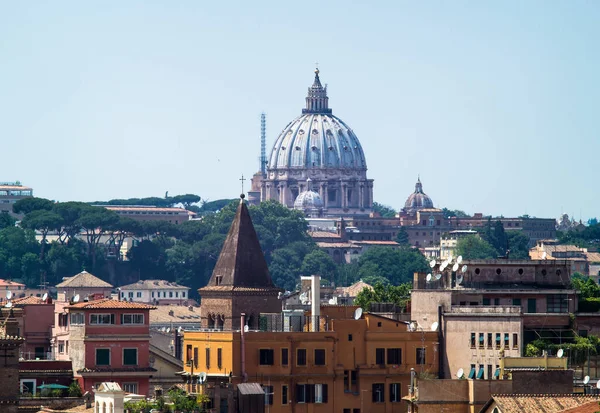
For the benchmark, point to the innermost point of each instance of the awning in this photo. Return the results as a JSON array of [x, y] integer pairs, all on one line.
[[497, 373], [480, 374], [472, 373]]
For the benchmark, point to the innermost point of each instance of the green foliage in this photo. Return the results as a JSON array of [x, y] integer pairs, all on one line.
[[139, 406], [182, 402], [397, 265], [186, 200], [576, 351], [27, 205], [588, 237], [592, 221], [473, 247], [518, 243], [74, 389], [384, 210], [402, 237], [382, 293], [6, 220], [448, 213], [320, 263]]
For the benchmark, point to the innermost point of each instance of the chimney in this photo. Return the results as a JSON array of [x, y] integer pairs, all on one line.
[[315, 300]]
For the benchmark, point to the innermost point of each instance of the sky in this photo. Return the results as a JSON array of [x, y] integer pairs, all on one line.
[[493, 104]]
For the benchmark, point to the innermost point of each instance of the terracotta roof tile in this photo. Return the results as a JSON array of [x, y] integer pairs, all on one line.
[[28, 300], [355, 288], [82, 280], [542, 403], [9, 283], [589, 407], [174, 314], [110, 303]]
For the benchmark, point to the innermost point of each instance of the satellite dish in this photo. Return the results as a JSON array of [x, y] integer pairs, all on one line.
[[428, 278], [8, 305], [443, 266], [459, 259], [434, 326], [331, 301], [560, 353], [432, 263], [455, 267], [438, 276], [460, 373], [358, 313], [544, 255], [8, 295], [246, 328], [450, 258], [586, 379], [279, 295], [202, 377], [45, 297], [76, 298], [464, 268], [179, 329], [598, 384], [168, 330], [459, 279]]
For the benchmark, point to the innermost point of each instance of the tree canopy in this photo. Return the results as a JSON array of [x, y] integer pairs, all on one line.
[[397, 265], [383, 293], [473, 247], [384, 210]]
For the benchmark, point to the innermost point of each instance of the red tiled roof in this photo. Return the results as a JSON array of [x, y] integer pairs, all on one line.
[[110, 303], [9, 283], [83, 279], [28, 300], [590, 407], [542, 403]]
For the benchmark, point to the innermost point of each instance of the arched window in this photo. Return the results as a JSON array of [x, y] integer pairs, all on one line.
[[111, 408], [431, 221], [97, 407], [103, 407], [220, 321], [211, 321]]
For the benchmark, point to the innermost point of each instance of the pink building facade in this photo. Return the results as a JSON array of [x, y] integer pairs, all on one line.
[[107, 340], [35, 326]]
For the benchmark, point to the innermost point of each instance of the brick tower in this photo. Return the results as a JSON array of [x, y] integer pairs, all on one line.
[[240, 282], [9, 361]]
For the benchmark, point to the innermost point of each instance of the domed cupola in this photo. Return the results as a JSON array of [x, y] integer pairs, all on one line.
[[321, 146], [309, 202], [418, 199]]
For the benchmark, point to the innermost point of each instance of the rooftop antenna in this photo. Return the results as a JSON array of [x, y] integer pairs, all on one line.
[[263, 143]]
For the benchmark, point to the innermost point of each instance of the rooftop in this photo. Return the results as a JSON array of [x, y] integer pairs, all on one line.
[[112, 304], [141, 208], [174, 314], [153, 285], [30, 300], [542, 403], [82, 280], [9, 283]]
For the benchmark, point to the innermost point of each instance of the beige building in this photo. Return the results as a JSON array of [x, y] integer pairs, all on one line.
[[11, 192], [581, 260], [157, 292]]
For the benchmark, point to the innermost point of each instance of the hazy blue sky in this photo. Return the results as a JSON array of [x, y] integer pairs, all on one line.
[[494, 104]]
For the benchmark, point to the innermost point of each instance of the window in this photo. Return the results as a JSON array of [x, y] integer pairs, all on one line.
[[486, 301], [420, 356], [480, 372], [130, 387], [152, 294], [130, 356], [284, 394], [557, 303], [301, 357], [219, 280], [77, 318], [496, 301], [219, 358], [138, 294], [268, 395], [506, 341], [394, 356], [472, 340], [379, 356], [395, 392], [517, 302], [196, 357], [170, 294], [378, 393], [319, 357], [300, 393], [132, 318], [497, 340], [208, 358], [188, 353], [284, 356], [481, 340], [319, 393], [515, 340], [61, 347], [102, 318], [531, 305], [130, 294], [265, 357], [472, 372], [183, 294], [349, 337], [489, 340], [102, 357], [489, 372]]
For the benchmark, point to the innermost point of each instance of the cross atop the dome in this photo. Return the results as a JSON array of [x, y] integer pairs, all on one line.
[[243, 180]]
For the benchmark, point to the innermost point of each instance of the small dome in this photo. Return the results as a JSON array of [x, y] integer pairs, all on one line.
[[418, 199], [308, 200]]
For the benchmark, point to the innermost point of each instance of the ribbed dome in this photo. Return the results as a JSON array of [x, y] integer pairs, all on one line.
[[317, 139], [418, 199], [308, 200]]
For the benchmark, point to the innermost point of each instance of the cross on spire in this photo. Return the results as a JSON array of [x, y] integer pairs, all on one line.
[[243, 180]]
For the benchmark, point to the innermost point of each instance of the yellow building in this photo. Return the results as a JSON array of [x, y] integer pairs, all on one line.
[[350, 366]]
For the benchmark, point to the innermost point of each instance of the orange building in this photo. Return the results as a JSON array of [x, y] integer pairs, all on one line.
[[350, 366]]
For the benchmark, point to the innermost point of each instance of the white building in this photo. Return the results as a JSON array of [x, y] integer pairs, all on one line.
[[158, 292]]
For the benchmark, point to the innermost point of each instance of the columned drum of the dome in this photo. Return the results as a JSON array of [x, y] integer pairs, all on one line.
[[321, 147]]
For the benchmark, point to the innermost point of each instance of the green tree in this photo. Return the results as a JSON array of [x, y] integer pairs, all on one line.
[[27, 205], [384, 210], [449, 213], [186, 200], [43, 221], [182, 402], [74, 389], [7, 220], [518, 243], [398, 265], [95, 221], [383, 293], [472, 247], [402, 237], [318, 262]]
